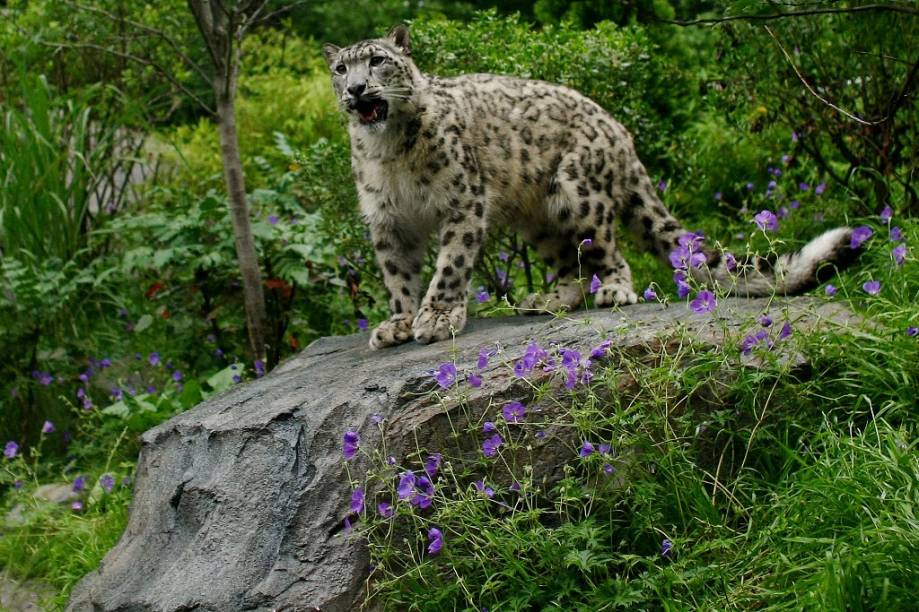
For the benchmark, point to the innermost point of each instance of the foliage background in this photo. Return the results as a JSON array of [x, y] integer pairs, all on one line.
[[100, 273]]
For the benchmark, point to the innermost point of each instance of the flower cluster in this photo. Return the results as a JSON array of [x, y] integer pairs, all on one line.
[[762, 337]]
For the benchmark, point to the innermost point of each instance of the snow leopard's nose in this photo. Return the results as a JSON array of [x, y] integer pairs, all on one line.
[[357, 90]]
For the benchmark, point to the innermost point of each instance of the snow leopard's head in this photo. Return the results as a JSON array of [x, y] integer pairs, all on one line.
[[374, 80]]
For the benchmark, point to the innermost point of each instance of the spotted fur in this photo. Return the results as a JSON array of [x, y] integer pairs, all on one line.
[[458, 156]]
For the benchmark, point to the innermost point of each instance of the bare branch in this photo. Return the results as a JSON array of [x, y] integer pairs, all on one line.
[[204, 19], [867, 8], [140, 60], [813, 92], [143, 28]]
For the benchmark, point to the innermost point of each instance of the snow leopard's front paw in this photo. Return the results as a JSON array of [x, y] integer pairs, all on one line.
[[438, 322], [615, 294], [397, 330]]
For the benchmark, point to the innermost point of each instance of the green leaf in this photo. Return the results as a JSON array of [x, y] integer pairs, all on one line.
[[223, 379], [143, 323]]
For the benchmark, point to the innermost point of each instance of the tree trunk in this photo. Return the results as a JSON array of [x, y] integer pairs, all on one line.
[[246, 255]]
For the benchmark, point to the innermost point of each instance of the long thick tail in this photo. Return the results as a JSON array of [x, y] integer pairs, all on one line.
[[747, 275], [788, 274]]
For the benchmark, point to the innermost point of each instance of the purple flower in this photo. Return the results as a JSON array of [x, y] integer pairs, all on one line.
[[18, 484], [794, 136], [899, 254], [649, 294], [446, 375], [608, 468], [352, 441], [482, 296], [76, 506], [830, 290], [750, 186], [601, 349], [704, 302], [483, 490], [490, 445], [177, 376], [489, 427], [237, 378], [483, 358], [47, 427], [432, 465], [540, 434], [782, 212], [896, 234], [406, 485], [765, 320], [587, 449], [662, 185], [872, 287], [819, 189], [79, 484], [804, 186], [107, 482], [770, 186], [795, 204], [766, 221], [786, 331], [749, 342], [10, 450], [503, 256], [514, 412], [436, 539], [859, 235], [85, 376], [912, 332], [105, 363], [362, 324], [667, 549], [259, 368], [717, 196], [604, 448], [376, 419], [730, 262], [887, 214], [357, 500], [682, 287], [273, 219], [43, 378], [386, 509], [786, 159], [587, 242], [475, 381], [117, 394], [595, 284]]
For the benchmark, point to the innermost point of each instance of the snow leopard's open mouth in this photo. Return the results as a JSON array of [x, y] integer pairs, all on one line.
[[372, 110]]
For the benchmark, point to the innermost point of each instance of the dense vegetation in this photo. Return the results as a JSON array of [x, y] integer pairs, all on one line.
[[120, 303]]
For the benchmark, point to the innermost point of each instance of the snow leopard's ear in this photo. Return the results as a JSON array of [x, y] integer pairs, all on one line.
[[330, 52], [399, 37]]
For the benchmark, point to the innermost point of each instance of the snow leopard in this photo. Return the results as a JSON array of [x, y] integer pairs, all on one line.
[[460, 155]]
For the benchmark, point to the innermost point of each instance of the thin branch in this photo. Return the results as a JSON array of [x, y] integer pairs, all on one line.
[[140, 60], [143, 28], [884, 8], [811, 89]]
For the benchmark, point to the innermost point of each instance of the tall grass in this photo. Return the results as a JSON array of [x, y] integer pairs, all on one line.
[[53, 158]]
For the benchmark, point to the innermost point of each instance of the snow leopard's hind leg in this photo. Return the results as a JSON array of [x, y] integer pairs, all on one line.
[[559, 252], [593, 212]]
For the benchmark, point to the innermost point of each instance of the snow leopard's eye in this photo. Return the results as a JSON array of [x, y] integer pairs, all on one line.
[[376, 60], [341, 69]]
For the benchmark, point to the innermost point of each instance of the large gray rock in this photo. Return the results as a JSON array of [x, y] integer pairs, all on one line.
[[238, 503]]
